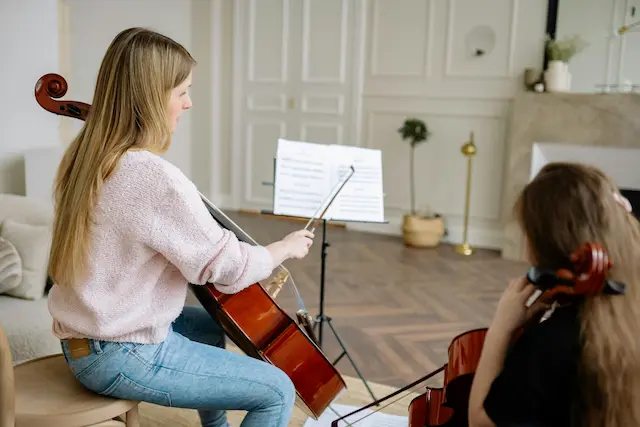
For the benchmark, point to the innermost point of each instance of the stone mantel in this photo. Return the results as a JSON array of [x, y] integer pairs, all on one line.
[[595, 120]]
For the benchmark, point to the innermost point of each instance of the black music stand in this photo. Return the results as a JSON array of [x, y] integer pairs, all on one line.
[[322, 317]]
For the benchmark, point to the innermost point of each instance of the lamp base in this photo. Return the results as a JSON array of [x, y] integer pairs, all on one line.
[[464, 249]]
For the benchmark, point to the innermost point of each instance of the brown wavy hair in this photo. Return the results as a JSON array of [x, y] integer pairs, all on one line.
[[129, 111], [566, 205]]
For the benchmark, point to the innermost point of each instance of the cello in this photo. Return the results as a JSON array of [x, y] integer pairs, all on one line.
[[447, 406], [251, 318]]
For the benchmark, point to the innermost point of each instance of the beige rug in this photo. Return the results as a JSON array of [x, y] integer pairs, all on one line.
[[356, 395]]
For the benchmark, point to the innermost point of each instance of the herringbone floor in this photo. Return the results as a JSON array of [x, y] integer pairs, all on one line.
[[395, 308]]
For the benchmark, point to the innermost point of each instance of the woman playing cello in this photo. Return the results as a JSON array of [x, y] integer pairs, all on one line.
[[581, 366], [131, 232]]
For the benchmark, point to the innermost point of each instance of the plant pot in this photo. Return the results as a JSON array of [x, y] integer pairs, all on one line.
[[557, 77], [422, 232]]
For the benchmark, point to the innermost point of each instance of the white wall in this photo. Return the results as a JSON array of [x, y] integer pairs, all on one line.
[[416, 63], [608, 59], [92, 24], [29, 46]]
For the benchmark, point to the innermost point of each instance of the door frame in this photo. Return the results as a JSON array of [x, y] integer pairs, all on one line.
[[238, 147]]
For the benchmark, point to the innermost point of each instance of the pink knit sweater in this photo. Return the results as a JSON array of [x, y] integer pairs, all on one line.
[[152, 236]]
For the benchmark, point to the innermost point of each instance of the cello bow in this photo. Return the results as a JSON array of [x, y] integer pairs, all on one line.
[[251, 317]]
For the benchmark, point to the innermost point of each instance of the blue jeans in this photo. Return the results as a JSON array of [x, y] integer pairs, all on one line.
[[190, 369]]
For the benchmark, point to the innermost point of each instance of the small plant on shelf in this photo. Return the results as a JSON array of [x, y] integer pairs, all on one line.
[[564, 49], [422, 230]]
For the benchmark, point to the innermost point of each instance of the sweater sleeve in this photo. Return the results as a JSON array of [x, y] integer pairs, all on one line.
[[186, 234]]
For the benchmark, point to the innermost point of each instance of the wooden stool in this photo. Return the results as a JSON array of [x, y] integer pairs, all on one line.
[[45, 393]]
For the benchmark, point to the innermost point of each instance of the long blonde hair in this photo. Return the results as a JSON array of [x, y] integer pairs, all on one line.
[[568, 204], [129, 111]]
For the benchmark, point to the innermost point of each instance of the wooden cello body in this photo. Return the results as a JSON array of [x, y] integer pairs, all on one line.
[[251, 318], [447, 406]]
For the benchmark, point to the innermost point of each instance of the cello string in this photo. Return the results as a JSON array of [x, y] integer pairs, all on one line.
[[400, 392], [402, 396], [328, 201], [338, 414], [232, 226], [297, 294]]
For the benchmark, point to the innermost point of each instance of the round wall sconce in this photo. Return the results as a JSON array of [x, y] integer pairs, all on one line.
[[480, 41]]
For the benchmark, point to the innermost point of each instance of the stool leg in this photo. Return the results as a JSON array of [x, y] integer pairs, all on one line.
[[133, 418]]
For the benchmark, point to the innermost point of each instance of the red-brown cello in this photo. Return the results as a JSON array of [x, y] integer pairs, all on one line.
[[448, 406], [251, 318]]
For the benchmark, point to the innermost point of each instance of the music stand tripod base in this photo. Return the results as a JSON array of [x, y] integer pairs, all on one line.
[[321, 317]]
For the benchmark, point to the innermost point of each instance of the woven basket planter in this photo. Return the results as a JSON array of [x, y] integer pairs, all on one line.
[[422, 232]]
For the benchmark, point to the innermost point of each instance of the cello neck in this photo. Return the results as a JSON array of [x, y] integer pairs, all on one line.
[[225, 221]]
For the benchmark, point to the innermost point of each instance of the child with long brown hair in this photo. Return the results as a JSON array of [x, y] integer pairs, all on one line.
[[581, 366]]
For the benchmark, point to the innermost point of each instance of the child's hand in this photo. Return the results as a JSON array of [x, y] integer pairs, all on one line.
[[512, 312]]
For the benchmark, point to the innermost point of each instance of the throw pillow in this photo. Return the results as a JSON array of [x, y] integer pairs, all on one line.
[[33, 243], [10, 266]]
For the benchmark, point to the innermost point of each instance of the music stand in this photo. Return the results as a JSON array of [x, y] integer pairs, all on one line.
[[322, 317]]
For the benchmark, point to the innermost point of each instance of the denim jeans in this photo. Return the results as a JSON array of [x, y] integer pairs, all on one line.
[[190, 369]]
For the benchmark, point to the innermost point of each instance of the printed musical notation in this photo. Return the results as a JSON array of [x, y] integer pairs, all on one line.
[[306, 172]]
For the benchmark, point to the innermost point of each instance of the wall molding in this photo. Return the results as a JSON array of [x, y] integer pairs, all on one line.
[[284, 59], [306, 37], [427, 52], [248, 160], [237, 97], [240, 142], [511, 53]]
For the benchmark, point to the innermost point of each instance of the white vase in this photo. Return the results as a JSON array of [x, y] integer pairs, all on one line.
[[557, 77]]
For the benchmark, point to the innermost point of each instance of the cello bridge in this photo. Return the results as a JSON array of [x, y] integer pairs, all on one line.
[[277, 282]]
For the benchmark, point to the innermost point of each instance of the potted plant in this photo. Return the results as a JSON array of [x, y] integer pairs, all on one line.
[[418, 229], [559, 52]]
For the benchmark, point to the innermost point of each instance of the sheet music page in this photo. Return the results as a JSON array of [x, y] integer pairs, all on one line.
[[302, 178], [374, 419], [362, 198]]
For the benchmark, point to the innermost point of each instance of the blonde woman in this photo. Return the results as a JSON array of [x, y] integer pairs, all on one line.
[[581, 366], [130, 232]]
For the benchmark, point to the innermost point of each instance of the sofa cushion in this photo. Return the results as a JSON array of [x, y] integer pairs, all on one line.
[[25, 210], [33, 243], [10, 266], [28, 328]]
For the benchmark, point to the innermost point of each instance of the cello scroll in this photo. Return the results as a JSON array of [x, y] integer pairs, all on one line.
[[591, 264], [52, 86]]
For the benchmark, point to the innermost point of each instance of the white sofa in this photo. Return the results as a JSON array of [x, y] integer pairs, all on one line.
[[24, 315]]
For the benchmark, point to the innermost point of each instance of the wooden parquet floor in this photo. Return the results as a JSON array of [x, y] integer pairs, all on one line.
[[395, 308]]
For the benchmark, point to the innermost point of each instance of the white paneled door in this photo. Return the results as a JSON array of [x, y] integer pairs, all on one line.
[[293, 78]]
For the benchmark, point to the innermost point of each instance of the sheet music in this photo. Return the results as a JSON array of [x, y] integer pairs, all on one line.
[[377, 419], [306, 173], [302, 175], [361, 199]]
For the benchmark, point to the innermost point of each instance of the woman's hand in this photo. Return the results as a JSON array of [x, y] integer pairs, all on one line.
[[295, 245], [298, 243], [512, 313]]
